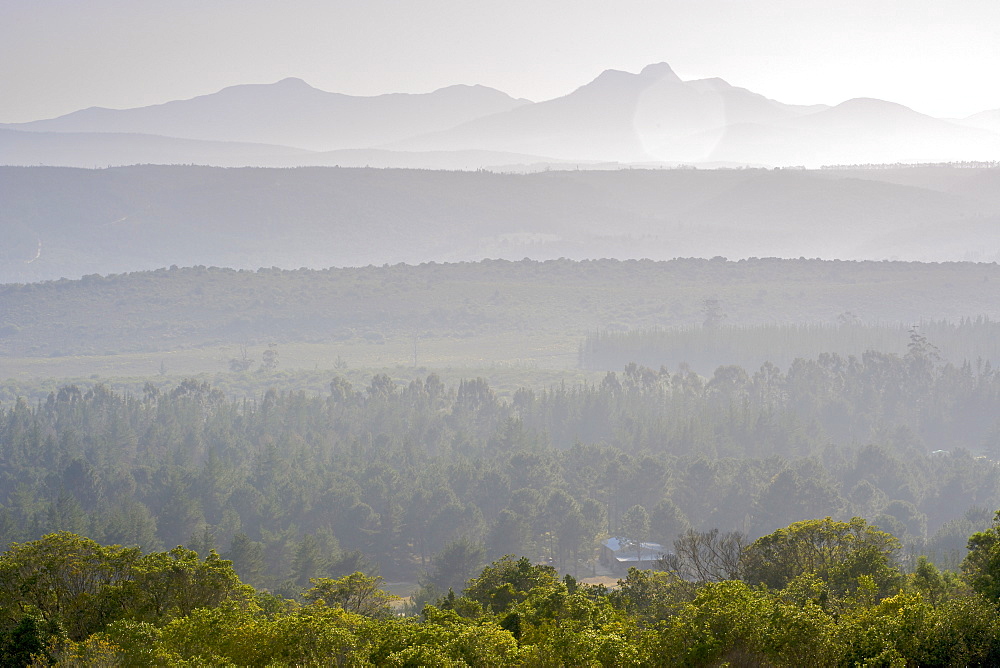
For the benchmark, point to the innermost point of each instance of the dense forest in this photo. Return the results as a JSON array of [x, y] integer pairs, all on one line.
[[816, 593], [248, 520], [293, 486]]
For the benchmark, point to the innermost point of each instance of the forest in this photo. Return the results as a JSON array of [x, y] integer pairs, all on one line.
[[895, 437], [820, 487], [818, 593], [700, 347], [395, 474]]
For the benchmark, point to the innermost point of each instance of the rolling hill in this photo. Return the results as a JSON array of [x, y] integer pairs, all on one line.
[[61, 222], [488, 301]]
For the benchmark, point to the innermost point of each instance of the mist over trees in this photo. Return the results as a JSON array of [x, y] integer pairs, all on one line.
[[703, 347], [392, 475], [310, 498], [658, 372], [801, 455], [834, 466], [808, 306]]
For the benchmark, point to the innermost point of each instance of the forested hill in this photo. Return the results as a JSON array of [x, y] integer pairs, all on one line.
[[171, 308], [73, 222]]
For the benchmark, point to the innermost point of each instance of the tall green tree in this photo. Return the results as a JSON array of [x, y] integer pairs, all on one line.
[[981, 566], [634, 529], [358, 593], [839, 553]]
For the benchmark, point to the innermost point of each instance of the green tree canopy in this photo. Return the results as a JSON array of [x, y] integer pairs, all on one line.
[[837, 552], [982, 564], [508, 581], [357, 593]]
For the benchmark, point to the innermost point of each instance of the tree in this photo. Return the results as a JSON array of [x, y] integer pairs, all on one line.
[[712, 309], [247, 557], [634, 528], [452, 568], [507, 581], [358, 593], [981, 566], [64, 578], [667, 522], [241, 363], [509, 533], [730, 623], [308, 561], [839, 553], [26, 640], [269, 360], [789, 497], [164, 585], [707, 556], [936, 587], [652, 595]]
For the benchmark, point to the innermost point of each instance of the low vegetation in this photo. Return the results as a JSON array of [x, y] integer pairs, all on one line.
[[818, 593]]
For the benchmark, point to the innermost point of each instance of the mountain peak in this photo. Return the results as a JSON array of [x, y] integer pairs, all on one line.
[[285, 86], [292, 82], [626, 80], [659, 71], [613, 75], [872, 105]]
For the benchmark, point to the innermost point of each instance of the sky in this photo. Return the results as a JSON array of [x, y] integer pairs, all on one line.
[[57, 56]]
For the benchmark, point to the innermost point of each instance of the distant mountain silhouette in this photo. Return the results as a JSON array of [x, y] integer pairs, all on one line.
[[103, 149], [648, 118], [858, 131], [107, 149], [291, 113], [985, 120], [617, 116]]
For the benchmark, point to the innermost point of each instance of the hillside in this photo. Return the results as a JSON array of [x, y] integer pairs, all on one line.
[[492, 300], [60, 222]]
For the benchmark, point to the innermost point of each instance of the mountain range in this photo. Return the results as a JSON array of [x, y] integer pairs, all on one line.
[[650, 118]]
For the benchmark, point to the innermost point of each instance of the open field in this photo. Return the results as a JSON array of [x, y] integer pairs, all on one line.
[[514, 323], [476, 352]]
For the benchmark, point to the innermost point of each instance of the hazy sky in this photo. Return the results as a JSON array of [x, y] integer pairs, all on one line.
[[56, 56]]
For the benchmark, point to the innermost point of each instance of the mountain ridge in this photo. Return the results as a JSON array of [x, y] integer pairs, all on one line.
[[74, 222], [289, 112], [652, 116]]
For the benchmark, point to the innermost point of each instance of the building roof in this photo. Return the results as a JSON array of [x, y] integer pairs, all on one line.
[[624, 552]]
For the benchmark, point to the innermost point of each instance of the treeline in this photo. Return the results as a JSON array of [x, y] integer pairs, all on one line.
[[705, 347], [201, 306], [816, 593], [292, 486]]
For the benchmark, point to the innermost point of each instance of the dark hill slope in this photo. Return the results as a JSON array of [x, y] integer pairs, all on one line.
[[71, 222]]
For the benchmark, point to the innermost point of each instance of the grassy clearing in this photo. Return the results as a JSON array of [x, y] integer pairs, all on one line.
[[505, 362], [547, 352]]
